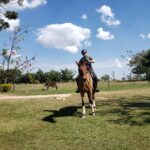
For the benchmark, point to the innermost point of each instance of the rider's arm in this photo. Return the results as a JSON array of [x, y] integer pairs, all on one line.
[[91, 60]]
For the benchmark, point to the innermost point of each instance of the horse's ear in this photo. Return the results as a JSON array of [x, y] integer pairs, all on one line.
[[77, 63]]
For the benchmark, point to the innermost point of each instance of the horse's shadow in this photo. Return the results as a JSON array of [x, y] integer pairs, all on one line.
[[63, 112]]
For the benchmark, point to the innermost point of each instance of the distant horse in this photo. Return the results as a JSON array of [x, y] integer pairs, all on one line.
[[51, 84], [85, 85]]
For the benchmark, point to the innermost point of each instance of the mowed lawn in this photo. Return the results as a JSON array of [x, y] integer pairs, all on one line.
[[70, 87], [122, 122]]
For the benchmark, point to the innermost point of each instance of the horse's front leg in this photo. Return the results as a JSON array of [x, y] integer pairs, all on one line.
[[93, 96], [83, 106]]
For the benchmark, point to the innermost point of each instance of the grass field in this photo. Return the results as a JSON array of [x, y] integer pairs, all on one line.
[[122, 122], [71, 87]]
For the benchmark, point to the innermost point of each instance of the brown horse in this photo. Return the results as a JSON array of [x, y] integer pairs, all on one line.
[[85, 85], [51, 84]]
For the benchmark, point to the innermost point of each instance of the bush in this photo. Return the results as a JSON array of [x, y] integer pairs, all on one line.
[[36, 82], [6, 87]]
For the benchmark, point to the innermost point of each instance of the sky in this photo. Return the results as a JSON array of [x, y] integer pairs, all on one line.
[[60, 29]]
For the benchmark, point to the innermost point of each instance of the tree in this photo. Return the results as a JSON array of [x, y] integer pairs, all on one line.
[[140, 64], [10, 58], [67, 74], [5, 14], [40, 76], [53, 75], [2, 76], [105, 77]]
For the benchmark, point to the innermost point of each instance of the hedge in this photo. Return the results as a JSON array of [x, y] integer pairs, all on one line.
[[6, 87]]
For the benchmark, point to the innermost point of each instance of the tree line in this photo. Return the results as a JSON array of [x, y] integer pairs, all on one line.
[[16, 76]]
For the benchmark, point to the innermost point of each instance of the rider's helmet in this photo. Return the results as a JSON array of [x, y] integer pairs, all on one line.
[[83, 51]]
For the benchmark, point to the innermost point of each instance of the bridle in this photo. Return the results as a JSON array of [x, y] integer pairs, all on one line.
[[82, 72]]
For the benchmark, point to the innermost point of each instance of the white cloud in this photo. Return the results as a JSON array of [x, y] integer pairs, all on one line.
[[119, 63], [84, 17], [143, 36], [115, 63], [12, 23], [109, 63], [87, 43], [148, 36], [26, 4], [107, 16], [100, 67], [104, 35], [105, 10], [55, 66], [34, 3], [67, 36]]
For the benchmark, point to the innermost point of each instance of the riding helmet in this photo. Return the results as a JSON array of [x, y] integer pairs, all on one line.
[[83, 51]]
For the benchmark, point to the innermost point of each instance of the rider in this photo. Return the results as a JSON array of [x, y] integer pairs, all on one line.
[[89, 60]]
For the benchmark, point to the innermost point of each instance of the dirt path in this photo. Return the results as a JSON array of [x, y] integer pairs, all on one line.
[[3, 97]]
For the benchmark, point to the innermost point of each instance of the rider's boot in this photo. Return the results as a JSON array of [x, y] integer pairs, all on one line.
[[95, 86]]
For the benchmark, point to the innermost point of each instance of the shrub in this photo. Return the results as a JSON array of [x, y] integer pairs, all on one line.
[[6, 87], [36, 82]]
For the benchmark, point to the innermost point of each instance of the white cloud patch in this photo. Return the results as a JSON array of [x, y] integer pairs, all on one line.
[[101, 67], [12, 23], [119, 63], [27, 4], [115, 63], [55, 66], [84, 17], [34, 3], [67, 36], [107, 16], [104, 35], [143, 36]]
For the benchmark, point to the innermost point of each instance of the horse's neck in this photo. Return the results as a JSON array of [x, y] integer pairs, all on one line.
[[88, 76]]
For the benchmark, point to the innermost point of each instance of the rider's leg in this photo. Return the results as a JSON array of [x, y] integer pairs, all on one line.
[[95, 80]]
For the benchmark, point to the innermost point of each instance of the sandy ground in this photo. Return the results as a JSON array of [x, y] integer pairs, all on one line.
[[3, 97]]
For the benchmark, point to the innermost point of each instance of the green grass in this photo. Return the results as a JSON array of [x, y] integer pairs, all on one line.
[[122, 122], [71, 87]]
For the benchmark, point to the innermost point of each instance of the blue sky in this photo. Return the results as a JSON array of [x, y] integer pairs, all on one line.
[[58, 32]]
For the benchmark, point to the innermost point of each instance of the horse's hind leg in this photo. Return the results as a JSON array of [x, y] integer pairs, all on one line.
[[90, 101]]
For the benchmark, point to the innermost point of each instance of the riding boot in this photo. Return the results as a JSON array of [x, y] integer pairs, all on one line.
[[95, 85]]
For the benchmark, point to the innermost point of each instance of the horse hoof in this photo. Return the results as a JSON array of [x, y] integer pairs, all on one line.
[[83, 117], [93, 114]]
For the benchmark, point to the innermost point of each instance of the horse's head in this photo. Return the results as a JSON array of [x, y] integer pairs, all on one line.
[[83, 69]]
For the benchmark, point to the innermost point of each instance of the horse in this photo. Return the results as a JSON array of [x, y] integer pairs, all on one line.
[[85, 85], [51, 84]]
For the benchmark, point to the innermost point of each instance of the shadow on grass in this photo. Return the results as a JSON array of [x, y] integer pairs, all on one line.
[[135, 111], [63, 112]]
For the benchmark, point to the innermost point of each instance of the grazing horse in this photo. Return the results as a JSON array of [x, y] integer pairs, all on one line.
[[85, 85], [51, 84]]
